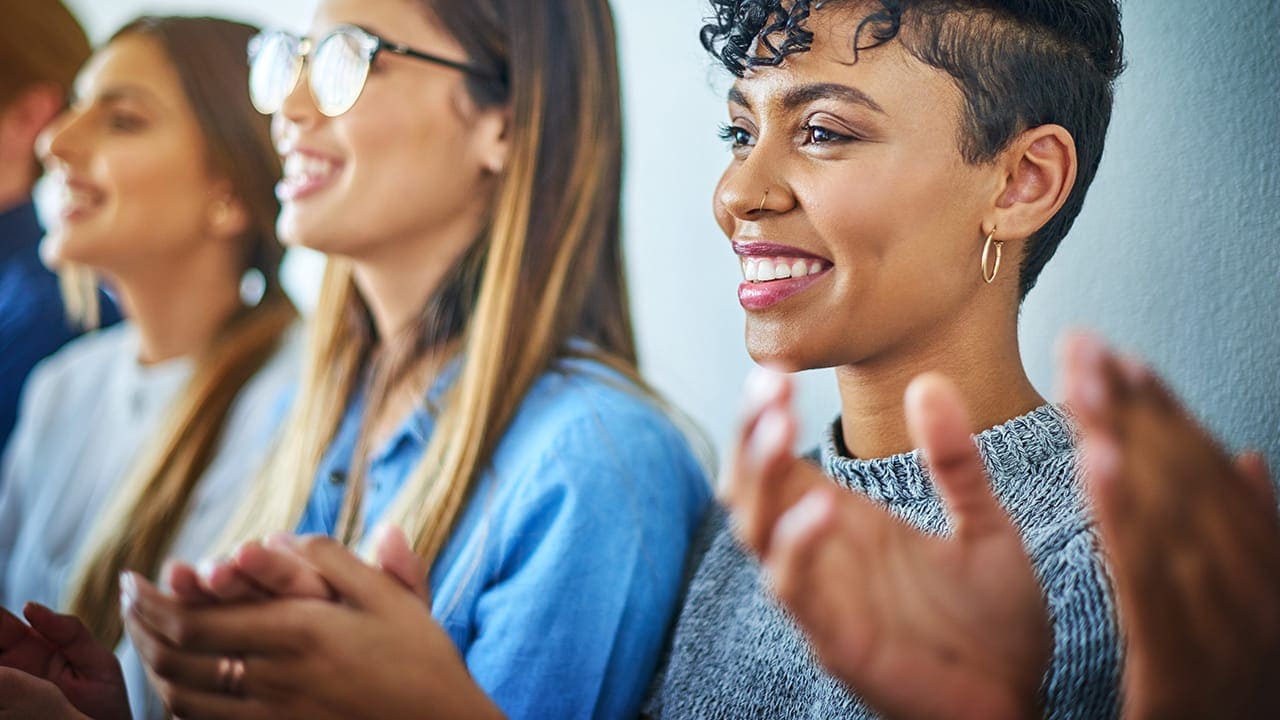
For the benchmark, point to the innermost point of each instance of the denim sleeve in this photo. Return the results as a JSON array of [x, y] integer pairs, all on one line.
[[585, 579]]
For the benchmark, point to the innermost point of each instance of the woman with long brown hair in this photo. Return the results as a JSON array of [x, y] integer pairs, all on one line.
[[472, 381], [135, 442]]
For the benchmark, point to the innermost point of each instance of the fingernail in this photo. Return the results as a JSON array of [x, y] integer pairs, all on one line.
[[763, 385], [811, 509], [769, 435], [1103, 457], [128, 591]]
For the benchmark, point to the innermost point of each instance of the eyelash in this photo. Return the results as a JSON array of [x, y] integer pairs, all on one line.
[[732, 134], [125, 123]]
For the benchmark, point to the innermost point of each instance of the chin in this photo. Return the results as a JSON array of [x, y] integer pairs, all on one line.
[[775, 346]]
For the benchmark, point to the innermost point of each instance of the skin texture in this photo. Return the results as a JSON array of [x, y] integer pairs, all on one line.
[[886, 197], [157, 223], [1193, 541], [919, 626]]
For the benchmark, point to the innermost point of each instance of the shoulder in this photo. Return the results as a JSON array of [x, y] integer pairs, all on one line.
[[581, 410], [586, 439], [81, 364]]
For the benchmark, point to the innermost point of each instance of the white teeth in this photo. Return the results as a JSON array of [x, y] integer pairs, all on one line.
[[779, 268], [765, 272], [301, 168]]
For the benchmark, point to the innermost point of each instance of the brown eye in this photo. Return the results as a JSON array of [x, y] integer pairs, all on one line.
[[818, 135], [736, 136]]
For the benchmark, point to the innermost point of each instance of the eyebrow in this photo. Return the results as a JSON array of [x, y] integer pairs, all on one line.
[[125, 92], [805, 94]]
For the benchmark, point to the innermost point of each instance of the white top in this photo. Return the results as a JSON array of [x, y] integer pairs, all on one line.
[[85, 415]]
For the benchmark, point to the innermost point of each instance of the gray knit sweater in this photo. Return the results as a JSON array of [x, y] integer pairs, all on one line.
[[736, 654]]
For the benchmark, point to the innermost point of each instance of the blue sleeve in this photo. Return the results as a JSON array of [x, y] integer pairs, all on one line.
[[589, 558]]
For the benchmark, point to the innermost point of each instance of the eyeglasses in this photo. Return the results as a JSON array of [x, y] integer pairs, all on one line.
[[340, 63]]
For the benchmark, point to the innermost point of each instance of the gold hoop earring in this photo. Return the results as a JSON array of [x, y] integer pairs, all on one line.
[[763, 200], [986, 252]]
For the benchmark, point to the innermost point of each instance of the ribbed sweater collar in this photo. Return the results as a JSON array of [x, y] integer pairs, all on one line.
[[1013, 452]]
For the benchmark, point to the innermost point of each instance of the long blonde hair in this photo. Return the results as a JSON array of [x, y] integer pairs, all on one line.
[[139, 526], [549, 268]]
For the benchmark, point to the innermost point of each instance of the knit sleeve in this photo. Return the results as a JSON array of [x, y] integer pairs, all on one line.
[[1084, 673]]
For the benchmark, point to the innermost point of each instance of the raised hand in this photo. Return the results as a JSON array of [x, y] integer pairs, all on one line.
[[918, 625], [1193, 540], [59, 650]]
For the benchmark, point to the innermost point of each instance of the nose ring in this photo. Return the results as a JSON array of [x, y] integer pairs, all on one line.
[[763, 200]]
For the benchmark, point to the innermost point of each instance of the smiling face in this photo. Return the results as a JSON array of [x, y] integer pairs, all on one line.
[[139, 192], [856, 219], [410, 160]]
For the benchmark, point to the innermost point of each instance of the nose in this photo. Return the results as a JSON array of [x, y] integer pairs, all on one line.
[[62, 141], [750, 189], [299, 107]]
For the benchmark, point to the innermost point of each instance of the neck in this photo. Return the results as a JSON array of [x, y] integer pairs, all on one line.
[[980, 356], [179, 308], [397, 278]]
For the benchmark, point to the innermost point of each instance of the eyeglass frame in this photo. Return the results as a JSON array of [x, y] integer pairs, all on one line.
[[371, 43]]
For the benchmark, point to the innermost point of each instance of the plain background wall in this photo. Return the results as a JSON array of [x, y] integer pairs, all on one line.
[[1176, 255]]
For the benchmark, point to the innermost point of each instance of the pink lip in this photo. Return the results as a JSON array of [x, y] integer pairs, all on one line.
[[759, 296], [768, 249], [75, 214]]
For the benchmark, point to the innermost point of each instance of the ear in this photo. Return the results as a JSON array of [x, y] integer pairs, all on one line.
[[493, 138], [25, 117], [1040, 171], [227, 215]]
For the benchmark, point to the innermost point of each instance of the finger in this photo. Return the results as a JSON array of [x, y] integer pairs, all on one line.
[[186, 584], [1093, 385], [262, 628], [1253, 468], [396, 558], [12, 630], [764, 388], [277, 570], [70, 636], [223, 580], [356, 582], [752, 487], [796, 542], [193, 704], [939, 425]]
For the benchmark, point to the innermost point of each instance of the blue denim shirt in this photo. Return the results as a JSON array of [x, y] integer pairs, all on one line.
[[563, 573], [33, 320]]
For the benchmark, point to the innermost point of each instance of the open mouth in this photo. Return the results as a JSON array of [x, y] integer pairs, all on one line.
[[306, 174], [772, 273]]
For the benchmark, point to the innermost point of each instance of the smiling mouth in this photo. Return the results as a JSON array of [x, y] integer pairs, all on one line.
[[305, 174], [768, 269]]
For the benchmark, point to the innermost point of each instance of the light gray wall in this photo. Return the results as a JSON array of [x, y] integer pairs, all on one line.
[[1176, 255]]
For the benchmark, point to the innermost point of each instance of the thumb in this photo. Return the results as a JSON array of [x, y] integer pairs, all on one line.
[[939, 425], [396, 558], [71, 638]]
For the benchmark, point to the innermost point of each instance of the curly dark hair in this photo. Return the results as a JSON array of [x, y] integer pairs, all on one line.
[[1018, 63]]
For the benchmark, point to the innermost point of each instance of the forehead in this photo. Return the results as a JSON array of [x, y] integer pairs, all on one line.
[[133, 65], [404, 21], [888, 75]]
